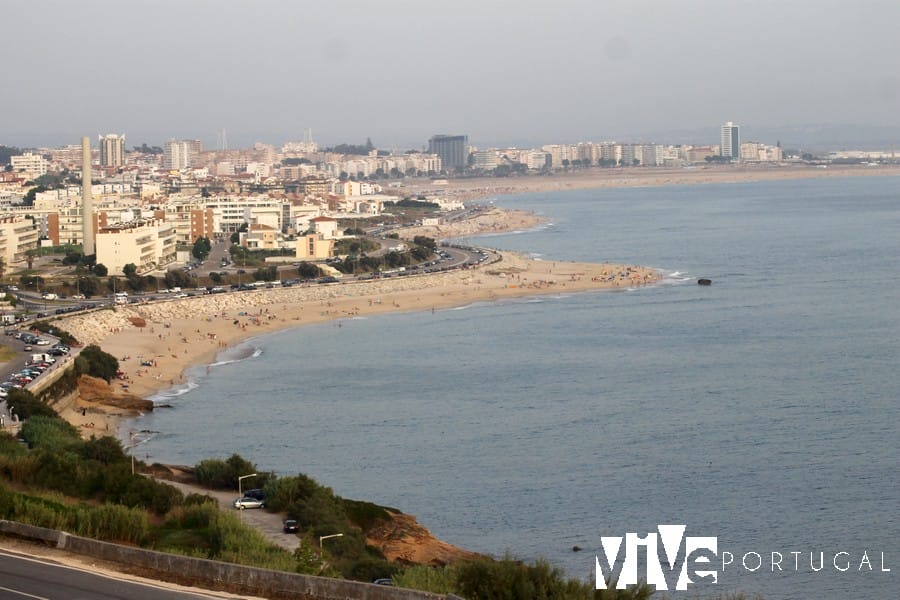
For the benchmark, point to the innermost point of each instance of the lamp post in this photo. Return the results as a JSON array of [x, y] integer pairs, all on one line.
[[241, 494], [242, 478], [325, 537], [131, 435]]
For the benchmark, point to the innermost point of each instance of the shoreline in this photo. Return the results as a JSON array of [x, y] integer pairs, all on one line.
[[191, 332]]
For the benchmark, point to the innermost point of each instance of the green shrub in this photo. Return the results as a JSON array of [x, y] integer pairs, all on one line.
[[27, 405], [438, 580], [95, 362], [49, 432], [365, 515]]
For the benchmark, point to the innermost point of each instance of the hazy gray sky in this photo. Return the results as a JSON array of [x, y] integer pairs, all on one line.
[[398, 71]]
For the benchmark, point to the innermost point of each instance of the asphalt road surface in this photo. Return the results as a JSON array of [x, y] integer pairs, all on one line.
[[24, 577]]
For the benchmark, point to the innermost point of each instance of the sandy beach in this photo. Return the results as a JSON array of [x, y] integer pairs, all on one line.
[[156, 342], [597, 178]]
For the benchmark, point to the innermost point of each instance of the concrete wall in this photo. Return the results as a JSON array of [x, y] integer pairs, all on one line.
[[216, 575]]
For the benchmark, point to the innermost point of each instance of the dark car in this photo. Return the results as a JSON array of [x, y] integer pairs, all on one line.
[[291, 526], [257, 493]]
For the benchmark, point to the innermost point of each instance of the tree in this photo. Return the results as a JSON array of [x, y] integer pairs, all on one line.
[[95, 362], [130, 270], [100, 270], [202, 248]]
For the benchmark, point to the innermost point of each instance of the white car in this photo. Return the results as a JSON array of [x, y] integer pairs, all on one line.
[[247, 502], [42, 342], [77, 296]]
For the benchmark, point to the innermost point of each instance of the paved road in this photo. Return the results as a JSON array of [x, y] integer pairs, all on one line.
[[24, 577]]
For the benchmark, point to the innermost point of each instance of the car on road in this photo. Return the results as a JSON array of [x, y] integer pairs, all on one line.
[[246, 502], [42, 342], [27, 348], [77, 296], [291, 526]]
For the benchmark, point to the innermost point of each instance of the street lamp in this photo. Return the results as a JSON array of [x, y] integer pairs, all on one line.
[[325, 537], [131, 435], [240, 479]]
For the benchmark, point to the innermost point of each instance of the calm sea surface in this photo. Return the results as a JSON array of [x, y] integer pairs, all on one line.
[[762, 410]]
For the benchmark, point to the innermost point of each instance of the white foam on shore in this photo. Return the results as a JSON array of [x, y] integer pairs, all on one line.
[[676, 278], [256, 352], [163, 396]]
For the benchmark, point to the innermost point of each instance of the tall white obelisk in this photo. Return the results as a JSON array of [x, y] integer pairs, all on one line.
[[87, 202]]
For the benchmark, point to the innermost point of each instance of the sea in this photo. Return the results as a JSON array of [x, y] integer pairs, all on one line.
[[761, 411]]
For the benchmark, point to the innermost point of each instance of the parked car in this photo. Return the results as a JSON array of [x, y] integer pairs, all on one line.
[[257, 493], [42, 342], [291, 526], [246, 502]]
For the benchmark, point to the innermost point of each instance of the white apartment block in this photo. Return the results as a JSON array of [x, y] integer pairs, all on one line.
[[177, 154], [112, 150], [18, 235], [148, 244], [30, 165], [230, 212], [486, 160]]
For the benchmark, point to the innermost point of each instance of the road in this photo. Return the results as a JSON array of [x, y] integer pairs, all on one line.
[[24, 577]]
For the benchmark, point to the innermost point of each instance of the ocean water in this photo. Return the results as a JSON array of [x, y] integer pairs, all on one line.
[[762, 410]]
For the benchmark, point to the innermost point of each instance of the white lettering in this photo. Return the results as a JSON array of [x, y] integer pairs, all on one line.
[[883, 570], [758, 561], [611, 546], [796, 554], [821, 562], [727, 559], [865, 561], [836, 561], [629, 569], [776, 563]]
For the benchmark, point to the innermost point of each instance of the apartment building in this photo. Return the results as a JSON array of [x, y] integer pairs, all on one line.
[[18, 235], [148, 244], [29, 164]]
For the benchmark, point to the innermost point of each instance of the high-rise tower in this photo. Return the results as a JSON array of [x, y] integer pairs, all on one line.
[[453, 150], [87, 204], [731, 141], [112, 150]]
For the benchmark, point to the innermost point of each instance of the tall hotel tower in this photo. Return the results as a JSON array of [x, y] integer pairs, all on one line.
[[453, 150], [731, 141], [87, 201]]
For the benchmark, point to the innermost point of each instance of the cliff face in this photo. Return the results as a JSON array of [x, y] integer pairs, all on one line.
[[97, 391], [404, 540]]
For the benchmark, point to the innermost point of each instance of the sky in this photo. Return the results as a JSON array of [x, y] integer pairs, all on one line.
[[502, 72]]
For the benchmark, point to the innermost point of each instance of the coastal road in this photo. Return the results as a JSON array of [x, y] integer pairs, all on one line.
[[25, 577]]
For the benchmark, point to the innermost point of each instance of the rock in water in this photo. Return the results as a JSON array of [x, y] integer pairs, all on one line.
[[704, 282]]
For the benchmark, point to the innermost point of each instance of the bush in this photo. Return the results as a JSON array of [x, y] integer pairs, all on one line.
[[26, 405], [223, 475], [95, 362], [49, 432]]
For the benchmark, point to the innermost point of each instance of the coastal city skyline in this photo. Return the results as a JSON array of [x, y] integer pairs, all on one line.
[[397, 72]]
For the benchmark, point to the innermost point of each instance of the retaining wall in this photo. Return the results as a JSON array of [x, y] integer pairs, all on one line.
[[211, 574]]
